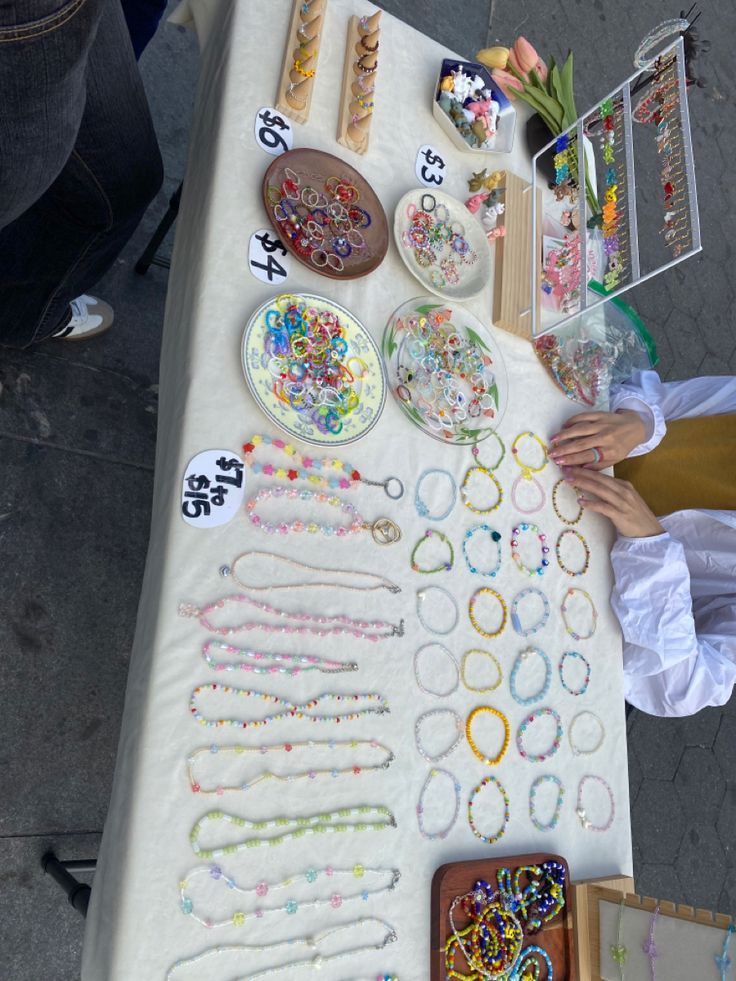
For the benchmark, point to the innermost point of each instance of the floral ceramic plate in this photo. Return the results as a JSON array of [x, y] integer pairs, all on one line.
[[442, 244], [445, 371], [314, 369]]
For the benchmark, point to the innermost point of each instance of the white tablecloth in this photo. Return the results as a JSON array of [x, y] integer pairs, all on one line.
[[135, 929]]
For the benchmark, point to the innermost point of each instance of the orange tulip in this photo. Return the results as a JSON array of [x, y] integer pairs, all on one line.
[[523, 56]]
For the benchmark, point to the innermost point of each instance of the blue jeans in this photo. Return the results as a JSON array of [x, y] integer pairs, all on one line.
[[79, 161]]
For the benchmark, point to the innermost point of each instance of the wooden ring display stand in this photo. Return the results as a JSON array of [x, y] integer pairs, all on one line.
[[294, 96], [361, 62]]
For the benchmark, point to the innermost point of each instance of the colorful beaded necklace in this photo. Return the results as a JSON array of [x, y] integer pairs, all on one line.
[[269, 662], [289, 710]]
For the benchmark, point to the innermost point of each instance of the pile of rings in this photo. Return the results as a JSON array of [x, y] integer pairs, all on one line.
[[443, 374], [324, 225], [305, 350], [438, 243]]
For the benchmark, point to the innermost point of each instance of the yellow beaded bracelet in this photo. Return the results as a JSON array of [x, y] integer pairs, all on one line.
[[480, 710], [471, 612]]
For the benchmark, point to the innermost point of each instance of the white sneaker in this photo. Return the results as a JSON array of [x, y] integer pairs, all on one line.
[[90, 317]]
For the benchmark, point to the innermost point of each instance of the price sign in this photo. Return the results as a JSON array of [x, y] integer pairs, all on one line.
[[430, 166], [268, 258], [213, 488], [273, 131]]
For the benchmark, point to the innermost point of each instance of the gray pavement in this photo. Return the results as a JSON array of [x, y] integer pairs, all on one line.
[[77, 439]]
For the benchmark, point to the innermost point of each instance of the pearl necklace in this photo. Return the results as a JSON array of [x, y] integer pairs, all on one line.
[[287, 748], [431, 691], [316, 962], [335, 900], [345, 625], [314, 470], [580, 809], [383, 530], [324, 823], [378, 581], [433, 713], [437, 835], [288, 664], [290, 710]]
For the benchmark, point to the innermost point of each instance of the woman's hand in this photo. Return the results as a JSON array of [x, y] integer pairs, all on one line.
[[615, 499], [613, 434]]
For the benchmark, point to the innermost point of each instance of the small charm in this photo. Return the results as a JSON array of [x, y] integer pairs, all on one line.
[[225, 571]]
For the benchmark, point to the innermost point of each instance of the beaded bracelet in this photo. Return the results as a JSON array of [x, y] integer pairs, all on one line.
[[602, 735], [441, 835], [527, 474], [471, 612], [526, 467], [563, 610], [520, 659], [649, 946], [481, 710], [516, 622], [581, 812], [544, 562], [552, 824], [430, 691], [422, 596], [520, 732], [433, 713], [560, 483], [489, 839], [464, 490], [575, 655], [443, 566], [491, 657], [495, 537], [476, 452], [422, 509], [530, 479], [586, 563]]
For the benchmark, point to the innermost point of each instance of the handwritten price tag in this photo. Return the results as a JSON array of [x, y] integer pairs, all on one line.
[[213, 488], [430, 166], [273, 131], [268, 258]]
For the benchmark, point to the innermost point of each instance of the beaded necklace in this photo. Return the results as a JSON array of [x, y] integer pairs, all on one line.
[[619, 952], [575, 655], [360, 629], [421, 507], [649, 946], [485, 782], [495, 538], [422, 595], [514, 616], [433, 714], [564, 608], [287, 748], [527, 473], [387, 879], [315, 471], [552, 823], [325, 823], [481, 690], [520, 660], [432, 691], [289, 710], [442, 566], [487, 710], [486, 591], [232, 570], [384, 530], [576, 534], [544, 561], [544, 896], [315, 962], [576, 750], [580, 809], [290, 665], [437, 835], [563, 483], [491, 943], [521, 731]]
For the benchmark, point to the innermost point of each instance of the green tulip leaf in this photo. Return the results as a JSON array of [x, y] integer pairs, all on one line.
[[568, 96]]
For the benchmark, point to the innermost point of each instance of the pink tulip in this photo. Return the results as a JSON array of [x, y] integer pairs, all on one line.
[[506, 82], [541, 70], [523, 56]]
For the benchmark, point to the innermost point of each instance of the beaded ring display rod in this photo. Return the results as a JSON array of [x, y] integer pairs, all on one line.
[[543, 562], [437, 835], [528, 721], [431, 691], [422, 595], [485, 782], [486, 590], [377, 705], [478, 653], [433, 714], [580, 808], [386, 880], [421, 507], [442, 566], [495, 537], [586, 563], [520, 660], [577, 656], [556, 507], [514, 612], [489, 710], [377, 582], [577, 751], [326, 472], [564, 611], [287, 748], [269, 662], [552, 823]]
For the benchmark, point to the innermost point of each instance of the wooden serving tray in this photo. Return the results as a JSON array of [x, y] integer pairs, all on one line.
[[456, 878]]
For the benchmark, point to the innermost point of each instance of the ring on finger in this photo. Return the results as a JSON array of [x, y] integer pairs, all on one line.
[[597, 455]]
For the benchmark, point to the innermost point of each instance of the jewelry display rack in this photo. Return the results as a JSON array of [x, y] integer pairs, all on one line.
[[303, 41]]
